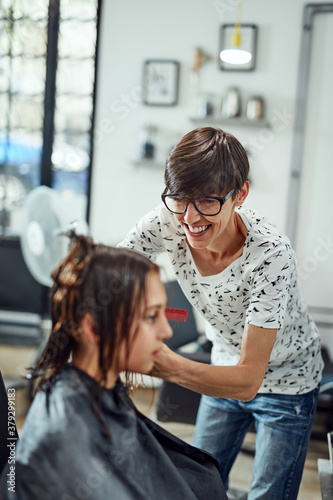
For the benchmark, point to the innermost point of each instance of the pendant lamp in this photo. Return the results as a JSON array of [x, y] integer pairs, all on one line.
[[236, 54], [237, 47]]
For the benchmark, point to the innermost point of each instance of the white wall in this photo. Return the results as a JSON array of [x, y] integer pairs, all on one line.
[[132, 32]]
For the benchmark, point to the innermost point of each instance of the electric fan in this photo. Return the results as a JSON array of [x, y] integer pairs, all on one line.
[[44, 219]]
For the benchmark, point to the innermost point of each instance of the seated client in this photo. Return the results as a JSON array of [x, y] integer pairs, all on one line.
[[83, 438]]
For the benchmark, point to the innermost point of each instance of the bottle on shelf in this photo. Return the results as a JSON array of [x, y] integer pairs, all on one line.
[[148, 142], [255, 108], [231, 103]]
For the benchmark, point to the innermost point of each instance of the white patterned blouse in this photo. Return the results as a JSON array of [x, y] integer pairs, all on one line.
[[259, 288]]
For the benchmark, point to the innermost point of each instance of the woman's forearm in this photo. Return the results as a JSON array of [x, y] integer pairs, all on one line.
[[241, 381], [236, 382]]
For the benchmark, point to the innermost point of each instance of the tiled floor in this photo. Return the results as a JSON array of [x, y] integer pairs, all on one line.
[[241, 473]]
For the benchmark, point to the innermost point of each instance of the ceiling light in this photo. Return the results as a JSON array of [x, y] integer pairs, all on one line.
[[237, 44]]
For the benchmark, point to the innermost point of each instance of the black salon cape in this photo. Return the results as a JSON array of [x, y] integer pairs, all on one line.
[[64, 453]]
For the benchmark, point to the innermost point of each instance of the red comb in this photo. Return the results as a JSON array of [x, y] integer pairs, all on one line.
[[176, 314]]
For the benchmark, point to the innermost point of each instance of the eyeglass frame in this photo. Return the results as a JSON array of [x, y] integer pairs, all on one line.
[[222, 201]]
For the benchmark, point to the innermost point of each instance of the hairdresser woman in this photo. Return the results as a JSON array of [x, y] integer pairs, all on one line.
[[239, 272]]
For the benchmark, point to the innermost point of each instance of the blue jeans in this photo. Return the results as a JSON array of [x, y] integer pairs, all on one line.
[[283, 426]]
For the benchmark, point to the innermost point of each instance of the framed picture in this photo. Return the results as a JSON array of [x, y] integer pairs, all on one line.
[[160, 82], [248, 43]]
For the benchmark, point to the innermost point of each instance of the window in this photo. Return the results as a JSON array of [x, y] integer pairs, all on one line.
[[48, 58]]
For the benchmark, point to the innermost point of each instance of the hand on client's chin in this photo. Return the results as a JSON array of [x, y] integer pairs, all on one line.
[[164, 362]]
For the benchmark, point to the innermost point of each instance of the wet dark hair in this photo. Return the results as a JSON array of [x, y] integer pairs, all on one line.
[[109, 284], [206, 161]]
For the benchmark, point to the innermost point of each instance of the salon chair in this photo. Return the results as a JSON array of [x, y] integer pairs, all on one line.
[[4, 450], [323, 422]]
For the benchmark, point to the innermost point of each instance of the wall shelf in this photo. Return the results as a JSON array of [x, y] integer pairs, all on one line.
[[241, 122]]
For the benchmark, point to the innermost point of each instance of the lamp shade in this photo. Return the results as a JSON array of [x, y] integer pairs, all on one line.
[[235, 56], [237, 48]]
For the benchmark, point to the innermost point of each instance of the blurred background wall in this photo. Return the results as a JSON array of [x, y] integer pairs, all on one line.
[[132, 32]]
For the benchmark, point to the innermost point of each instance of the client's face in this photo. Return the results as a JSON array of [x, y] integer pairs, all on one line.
[[151, 328]]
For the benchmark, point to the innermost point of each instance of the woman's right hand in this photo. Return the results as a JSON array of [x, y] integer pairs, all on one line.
[[167, 363]]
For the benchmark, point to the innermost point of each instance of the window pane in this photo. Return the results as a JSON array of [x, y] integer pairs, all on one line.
[[78, 9], [77, 39], [35, 9], [71, 172], [29, 37], [71, 154], [20, 155], [27, 112], [75, 77], [6, 4], [12, 196], [28, 75], [73, 113]]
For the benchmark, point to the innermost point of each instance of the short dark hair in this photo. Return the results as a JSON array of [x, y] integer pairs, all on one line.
[[206, 161]]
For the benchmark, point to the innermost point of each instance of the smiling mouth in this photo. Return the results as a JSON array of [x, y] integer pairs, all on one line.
[[197, 230]]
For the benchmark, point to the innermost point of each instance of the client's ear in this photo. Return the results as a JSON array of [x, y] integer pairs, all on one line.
[[242, 194], [88, 328]]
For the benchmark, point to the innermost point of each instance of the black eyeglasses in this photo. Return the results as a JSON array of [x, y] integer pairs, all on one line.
[[209, 205]]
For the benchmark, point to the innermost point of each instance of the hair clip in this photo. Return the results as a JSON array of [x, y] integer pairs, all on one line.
[[176, 314], [71, 231]]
